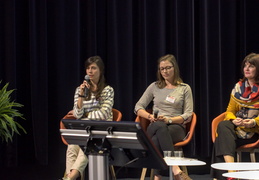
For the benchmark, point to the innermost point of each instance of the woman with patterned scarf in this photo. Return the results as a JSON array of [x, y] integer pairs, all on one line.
[[240, 125]]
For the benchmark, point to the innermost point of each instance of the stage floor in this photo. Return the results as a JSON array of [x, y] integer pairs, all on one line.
[[55, 172], [194, 177]]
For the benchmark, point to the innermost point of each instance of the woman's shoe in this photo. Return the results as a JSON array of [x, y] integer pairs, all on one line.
[[182, 176]]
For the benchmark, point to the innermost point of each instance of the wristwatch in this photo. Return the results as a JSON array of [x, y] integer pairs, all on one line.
[[170, 121]]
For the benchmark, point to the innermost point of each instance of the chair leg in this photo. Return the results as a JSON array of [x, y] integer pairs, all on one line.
[[143, 173], [83, 175], [252, 156], [239, 156], [65, 173], [112, 172], [151, 174]]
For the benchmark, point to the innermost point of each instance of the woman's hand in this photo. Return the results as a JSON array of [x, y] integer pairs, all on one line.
[[159, 118], [153, 119], [249, 123], [84, 85], [238, 122]]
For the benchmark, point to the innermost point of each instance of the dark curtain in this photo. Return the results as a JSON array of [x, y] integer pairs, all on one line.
[[44, 43]]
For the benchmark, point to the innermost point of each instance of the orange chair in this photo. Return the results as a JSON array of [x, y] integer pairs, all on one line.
[[190, 127], [62, 126], [117, 115], [251, 148]]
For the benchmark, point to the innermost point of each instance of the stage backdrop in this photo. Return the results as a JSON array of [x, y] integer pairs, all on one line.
[[43, 46]]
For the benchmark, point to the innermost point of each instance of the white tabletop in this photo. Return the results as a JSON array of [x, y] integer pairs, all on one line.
[[171, 161], [236, 166], [243, 174]]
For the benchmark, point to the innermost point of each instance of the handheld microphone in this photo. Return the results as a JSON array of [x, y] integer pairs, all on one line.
[[87, 78], [155, 113]]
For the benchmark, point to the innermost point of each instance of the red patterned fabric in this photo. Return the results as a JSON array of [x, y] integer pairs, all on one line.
[[243, 94]]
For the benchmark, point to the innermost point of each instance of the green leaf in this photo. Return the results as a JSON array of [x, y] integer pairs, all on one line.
[[8, 114]]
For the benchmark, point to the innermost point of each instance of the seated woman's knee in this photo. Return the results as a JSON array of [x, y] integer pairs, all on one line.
[[160, 124], [224, 124]]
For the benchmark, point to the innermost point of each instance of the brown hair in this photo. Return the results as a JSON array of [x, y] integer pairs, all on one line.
[[101, 83], [177, 79], [253, 59]]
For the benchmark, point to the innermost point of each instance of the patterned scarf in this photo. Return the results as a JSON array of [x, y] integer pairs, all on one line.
[[246, 96]]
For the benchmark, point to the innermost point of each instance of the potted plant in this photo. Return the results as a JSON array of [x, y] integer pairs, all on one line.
[[8, 113]]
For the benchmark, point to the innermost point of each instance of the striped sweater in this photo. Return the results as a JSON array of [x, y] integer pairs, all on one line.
[[94, 109]]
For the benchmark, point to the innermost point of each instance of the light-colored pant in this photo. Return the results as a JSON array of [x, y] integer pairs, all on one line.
[[75, 159]]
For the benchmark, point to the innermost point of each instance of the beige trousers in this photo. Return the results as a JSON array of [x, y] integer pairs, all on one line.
[[75, 159]]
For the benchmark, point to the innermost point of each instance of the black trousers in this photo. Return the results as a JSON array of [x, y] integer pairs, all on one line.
[[226, 144], [164, 136]]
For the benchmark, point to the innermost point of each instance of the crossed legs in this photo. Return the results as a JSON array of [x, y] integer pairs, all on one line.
[[76, 162]]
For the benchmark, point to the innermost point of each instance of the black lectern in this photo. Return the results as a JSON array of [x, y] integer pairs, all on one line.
[[120, 143]]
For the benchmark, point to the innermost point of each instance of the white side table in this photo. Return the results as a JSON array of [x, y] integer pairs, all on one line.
[[176, 161], [243, 175], [236, 166]]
